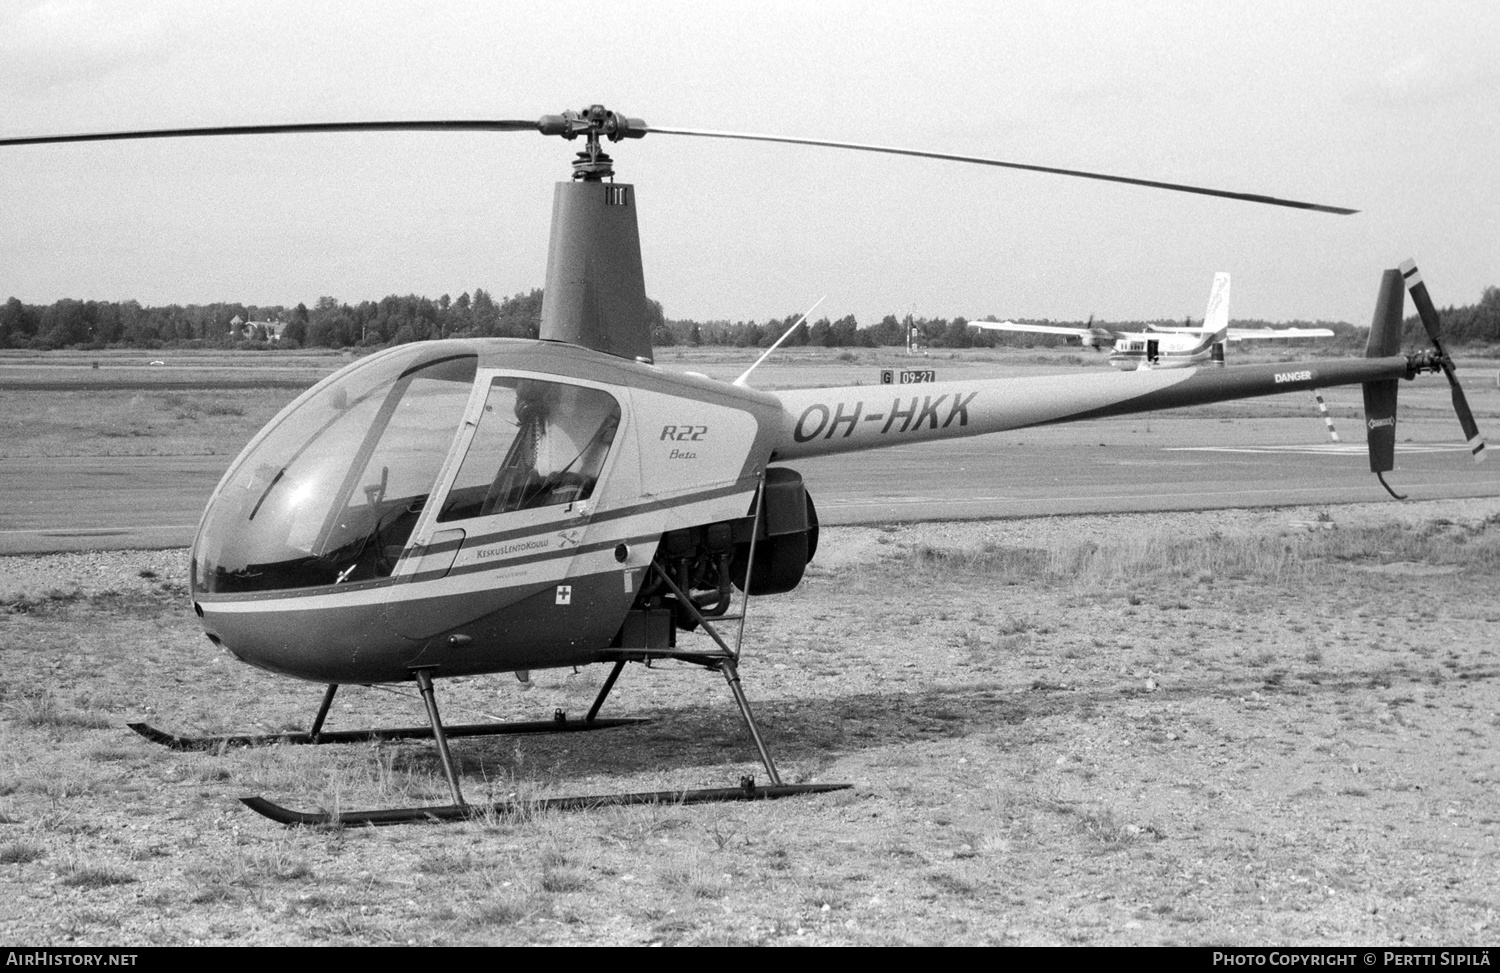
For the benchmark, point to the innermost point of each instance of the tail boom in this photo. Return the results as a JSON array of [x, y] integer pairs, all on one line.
[[821, 422]]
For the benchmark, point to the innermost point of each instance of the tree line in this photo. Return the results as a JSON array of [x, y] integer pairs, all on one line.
[[330, 323]]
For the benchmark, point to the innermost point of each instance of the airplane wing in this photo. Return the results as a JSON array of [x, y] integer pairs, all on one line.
[[1244, 334], [1036, 328], [1096, 338]]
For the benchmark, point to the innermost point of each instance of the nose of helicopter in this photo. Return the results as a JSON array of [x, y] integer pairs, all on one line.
[[293, 559], [327, 643]]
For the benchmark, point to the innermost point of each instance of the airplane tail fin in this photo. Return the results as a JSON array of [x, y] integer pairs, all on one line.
[[1216, 318]]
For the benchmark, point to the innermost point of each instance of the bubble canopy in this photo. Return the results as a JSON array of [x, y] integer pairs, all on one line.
[[329, 493]]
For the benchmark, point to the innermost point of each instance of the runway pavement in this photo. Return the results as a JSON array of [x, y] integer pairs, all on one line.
[[1127, 465]]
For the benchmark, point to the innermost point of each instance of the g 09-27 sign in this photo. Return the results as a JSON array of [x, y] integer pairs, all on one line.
[[907, 376]]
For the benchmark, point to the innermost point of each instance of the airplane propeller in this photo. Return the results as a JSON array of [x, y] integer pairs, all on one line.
[[1433, 324], [1100, 339]]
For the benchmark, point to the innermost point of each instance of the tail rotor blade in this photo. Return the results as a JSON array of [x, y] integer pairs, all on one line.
[[1466, 418], [1423, 302]]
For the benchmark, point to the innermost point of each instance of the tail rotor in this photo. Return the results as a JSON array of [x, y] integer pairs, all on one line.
[[1385, 342], [1430, 321]]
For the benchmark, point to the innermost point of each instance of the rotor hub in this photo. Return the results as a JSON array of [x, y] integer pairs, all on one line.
[[592, 164]]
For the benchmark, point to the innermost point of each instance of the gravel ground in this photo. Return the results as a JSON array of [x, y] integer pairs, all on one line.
[[842, 545], [90, 572]]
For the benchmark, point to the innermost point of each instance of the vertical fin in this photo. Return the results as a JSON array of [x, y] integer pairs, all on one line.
[[1380, 397], [1385, 327]]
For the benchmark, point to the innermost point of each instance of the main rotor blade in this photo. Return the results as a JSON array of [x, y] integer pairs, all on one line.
[[507, 125], [977, 160]]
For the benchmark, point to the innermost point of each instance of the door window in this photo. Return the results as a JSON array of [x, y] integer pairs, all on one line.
[[538, 444]]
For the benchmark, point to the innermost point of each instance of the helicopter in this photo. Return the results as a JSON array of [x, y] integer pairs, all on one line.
[[1167, 347], [481, 506]]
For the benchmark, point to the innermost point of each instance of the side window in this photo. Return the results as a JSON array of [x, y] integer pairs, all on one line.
[[538, 444]]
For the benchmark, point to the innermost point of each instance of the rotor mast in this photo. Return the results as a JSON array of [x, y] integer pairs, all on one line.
[[595, 293]]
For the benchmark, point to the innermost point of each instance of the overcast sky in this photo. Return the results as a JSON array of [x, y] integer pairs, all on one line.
[[1385, 107]]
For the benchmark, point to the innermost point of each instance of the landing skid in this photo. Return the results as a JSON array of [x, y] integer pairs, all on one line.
[[461, 810], [748, 791], [304, 738]]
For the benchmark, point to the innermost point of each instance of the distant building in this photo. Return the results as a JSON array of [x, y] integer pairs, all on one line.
[[273, 329], [240, 329]]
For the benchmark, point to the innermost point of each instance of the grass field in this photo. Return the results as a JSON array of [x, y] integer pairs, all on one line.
[[1088, 736]]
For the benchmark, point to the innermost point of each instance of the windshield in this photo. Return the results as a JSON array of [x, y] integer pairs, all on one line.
[[332, 492]]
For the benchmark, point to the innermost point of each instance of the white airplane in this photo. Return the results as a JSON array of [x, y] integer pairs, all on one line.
[[1167, 347]]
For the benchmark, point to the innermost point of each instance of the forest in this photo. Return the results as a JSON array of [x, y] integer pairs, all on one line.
[[330, 323]]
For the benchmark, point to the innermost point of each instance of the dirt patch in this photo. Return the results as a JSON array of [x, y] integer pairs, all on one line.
[[1272, 727]]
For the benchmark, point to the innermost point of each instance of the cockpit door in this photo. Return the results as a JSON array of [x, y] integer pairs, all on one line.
[[526, 473]]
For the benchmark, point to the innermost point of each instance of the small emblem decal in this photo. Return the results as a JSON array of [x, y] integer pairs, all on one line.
[[567, 538], [565, 594], [683, 434]]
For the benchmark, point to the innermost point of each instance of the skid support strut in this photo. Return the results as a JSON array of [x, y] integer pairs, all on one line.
[[429, 699], [732, 676], [609, 684], [317, 726]]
